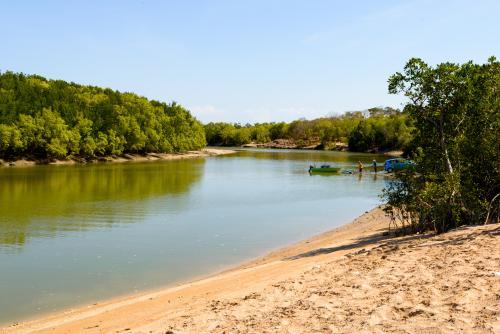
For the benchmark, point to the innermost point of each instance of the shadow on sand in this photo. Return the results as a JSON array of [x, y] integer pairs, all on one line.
[[386, 240]]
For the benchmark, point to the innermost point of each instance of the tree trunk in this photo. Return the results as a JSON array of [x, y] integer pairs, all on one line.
[[449, 167]]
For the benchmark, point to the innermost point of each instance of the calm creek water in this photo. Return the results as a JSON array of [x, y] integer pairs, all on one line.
[[73, 235]]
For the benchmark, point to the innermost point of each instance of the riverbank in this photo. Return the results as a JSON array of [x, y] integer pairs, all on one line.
[[356, 278], [292, 144], [287, 144], [207, 152]]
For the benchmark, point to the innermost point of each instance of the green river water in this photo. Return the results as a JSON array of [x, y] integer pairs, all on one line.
[[74, 235]]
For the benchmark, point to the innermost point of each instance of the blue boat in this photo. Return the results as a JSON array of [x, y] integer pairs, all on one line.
[[398, 164]]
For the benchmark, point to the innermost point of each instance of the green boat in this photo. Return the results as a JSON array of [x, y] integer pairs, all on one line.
[[324, 169]]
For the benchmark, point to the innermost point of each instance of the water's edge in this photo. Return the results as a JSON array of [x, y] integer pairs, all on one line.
[[270, 255], [206, 152]]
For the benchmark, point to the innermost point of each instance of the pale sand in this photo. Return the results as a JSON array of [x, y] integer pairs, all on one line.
[[206, 152], [353, 279]]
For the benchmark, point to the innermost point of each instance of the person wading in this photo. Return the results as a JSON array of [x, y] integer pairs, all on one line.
[[374, 164], [360, 167]]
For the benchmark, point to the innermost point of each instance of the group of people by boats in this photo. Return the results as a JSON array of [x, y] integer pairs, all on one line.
[[390, 165], [374, 165]]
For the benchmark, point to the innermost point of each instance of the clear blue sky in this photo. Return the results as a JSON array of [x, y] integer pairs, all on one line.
[[245, 61]]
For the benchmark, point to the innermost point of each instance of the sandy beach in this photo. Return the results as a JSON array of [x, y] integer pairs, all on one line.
[[206, 152], [354, 279]]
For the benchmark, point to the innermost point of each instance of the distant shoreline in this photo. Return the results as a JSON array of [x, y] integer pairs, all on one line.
[[338, 148], [206, 152]]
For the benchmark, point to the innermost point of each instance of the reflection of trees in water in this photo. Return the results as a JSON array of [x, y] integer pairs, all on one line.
[[311, 155], [47, 199]]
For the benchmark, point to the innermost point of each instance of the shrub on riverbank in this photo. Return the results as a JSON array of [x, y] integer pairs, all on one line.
[[45, 118], [455, 109]]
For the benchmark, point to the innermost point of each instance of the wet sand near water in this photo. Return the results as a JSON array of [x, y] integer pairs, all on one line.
[[354, 279]]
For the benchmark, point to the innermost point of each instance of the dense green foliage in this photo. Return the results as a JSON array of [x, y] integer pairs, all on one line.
[[456, 113], [379, 129], [228, 134], [385, 129], [55, 119]]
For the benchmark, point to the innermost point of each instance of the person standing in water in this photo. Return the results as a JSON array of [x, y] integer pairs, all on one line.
[[360, 167], [374, 164]]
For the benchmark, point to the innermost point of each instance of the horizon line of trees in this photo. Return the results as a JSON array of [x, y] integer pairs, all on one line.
[[377, 129], [42, 118]]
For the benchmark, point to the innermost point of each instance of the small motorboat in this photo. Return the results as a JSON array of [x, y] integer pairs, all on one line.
[[323, 169]]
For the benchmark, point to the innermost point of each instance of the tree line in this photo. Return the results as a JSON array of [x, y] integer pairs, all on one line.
[[43, 118], [455, 110], [377, 129]]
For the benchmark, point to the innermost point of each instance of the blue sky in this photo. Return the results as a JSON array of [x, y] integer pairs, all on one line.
[[245, 61]]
